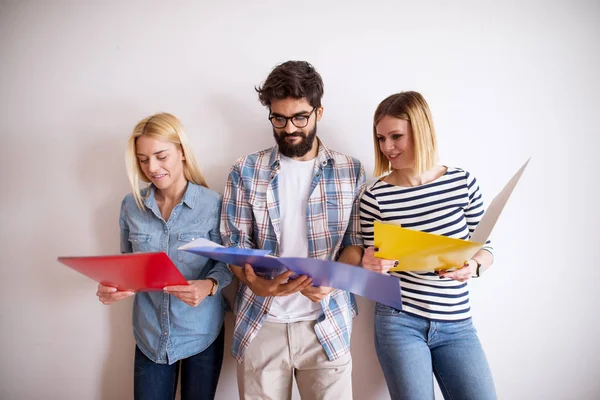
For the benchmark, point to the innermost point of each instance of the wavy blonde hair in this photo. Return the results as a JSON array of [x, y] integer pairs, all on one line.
[[159, 126], [411, 107]]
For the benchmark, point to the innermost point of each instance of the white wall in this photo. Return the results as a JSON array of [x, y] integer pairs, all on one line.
[[504, 81]]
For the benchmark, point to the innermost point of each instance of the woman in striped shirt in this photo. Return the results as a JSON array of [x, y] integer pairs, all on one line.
[[433, 333]]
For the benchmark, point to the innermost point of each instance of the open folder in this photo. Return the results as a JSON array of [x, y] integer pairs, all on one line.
[[132, 271], [377, 287], [421, 251]]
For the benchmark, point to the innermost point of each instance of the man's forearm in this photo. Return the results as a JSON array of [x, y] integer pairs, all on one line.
[[351, 255], [239, 273]]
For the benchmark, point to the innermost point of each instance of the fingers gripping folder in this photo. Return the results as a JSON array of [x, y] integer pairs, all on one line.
[[414, 250], [421, 251], [374, 286]]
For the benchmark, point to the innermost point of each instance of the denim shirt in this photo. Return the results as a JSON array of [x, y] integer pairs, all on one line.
[[165, 328]]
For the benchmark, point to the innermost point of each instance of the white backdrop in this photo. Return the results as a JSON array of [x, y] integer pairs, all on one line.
[[505, 81]]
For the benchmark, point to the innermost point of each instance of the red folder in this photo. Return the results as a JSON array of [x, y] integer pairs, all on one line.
[[132, 271]]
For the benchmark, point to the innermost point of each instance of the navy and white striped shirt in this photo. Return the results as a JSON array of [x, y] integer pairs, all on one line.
[[451, 205]]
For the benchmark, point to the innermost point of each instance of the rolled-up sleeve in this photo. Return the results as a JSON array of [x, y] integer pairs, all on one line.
[[124, 230], [353, 235], [236, 212]]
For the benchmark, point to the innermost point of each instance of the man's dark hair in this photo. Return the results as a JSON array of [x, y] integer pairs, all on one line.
[[295, 79]]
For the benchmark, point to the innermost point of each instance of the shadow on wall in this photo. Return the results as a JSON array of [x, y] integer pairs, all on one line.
[[103, 180], [227, 388], [242, 129], [367, 379]]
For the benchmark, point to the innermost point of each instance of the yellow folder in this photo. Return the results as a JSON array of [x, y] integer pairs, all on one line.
[[421, 251]]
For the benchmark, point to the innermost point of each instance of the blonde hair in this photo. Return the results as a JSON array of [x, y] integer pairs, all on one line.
[[159, 126], [411, 107]]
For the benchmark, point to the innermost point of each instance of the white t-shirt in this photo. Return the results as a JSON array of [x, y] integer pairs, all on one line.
[[294, 185]]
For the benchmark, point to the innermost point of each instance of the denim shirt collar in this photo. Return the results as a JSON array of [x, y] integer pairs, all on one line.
[[192, 192]]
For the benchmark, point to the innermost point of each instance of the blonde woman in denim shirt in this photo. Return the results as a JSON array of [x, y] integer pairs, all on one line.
[[181, 327]]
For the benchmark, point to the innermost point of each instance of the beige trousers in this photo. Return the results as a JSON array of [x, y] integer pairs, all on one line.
[[280, 352]]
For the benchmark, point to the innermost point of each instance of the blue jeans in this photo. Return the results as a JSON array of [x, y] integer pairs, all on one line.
[[411, 350], [199, 375]]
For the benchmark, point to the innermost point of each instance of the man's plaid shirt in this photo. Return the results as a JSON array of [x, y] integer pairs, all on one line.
[[250, 219]]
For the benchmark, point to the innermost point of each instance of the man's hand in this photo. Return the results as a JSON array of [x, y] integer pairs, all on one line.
[[276, 286], [316, 293]]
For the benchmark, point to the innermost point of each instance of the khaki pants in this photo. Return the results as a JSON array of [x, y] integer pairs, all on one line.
[[280, 352]]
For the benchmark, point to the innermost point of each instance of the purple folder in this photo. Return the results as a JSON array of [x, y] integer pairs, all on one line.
[[372, 285]]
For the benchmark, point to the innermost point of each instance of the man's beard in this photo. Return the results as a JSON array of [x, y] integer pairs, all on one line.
[[298, 149]]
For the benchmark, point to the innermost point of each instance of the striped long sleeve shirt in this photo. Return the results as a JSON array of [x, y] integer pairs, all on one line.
[[451, 205]]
